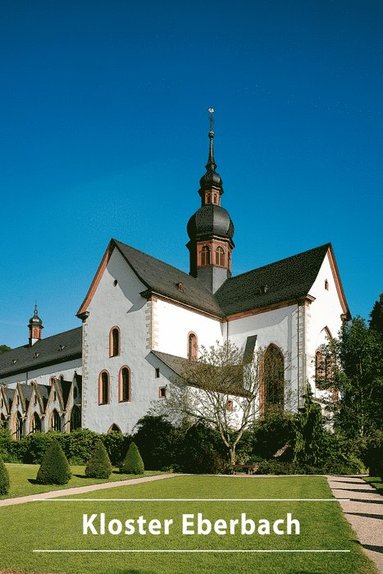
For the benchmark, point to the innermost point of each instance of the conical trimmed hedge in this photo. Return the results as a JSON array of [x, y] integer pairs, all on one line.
[[133, 463], [99, 465], [54, 468], [4, 478]]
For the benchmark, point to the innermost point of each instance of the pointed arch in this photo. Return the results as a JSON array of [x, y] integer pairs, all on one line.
[[124, 385], [114, 341], [114, 428], [272, 392], [75, 418], [205, 255], [19, 425], [103, 388], [192, 347], [35, 423], [220, 256], [55, 421]]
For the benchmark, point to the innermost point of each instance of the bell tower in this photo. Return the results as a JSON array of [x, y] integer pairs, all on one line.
[[35, 326], [211, 229]]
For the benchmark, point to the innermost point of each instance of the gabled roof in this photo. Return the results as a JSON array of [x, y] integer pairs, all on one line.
[[285, 280], [56, 349], [159, 278], [280, 282], [227, 379]]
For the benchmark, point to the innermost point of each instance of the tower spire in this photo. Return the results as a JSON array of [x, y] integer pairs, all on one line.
[[210, 229], [211, 165]]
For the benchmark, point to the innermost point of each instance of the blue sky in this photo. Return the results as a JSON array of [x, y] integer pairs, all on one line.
[[103, 133]]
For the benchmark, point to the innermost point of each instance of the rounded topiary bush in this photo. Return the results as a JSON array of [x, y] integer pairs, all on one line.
[[99, 465], [4, 478], [54, 467], [132, 463]]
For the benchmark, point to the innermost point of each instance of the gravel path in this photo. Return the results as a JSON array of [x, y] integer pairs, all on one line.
[[82, 489], [364, 511]]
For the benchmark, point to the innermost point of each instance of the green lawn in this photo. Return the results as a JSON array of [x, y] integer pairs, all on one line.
[[20, 476], [58, 525], [376, 482]]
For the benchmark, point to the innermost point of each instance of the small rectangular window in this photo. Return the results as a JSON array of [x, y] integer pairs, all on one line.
[[157, 372], [162, 392]]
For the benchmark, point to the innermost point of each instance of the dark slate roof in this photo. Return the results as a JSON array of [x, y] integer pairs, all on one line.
[[164, 279], [56, 349], [284, 280], [233, 376], [175, 363]]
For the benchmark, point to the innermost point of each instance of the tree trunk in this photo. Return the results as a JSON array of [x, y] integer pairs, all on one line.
[[233, 455]]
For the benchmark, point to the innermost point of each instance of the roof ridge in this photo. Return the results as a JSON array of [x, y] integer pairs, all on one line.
[[187, 275], [279, 261], [27, 346]]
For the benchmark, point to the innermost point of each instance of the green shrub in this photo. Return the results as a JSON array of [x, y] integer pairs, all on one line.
[[5, 440], [272, 432], [132, 463], [37, 444], [374, 454], [116, 445], [201, 451], [99, 465], [78, 445], [159, 453], [54, 468], [4, 478]]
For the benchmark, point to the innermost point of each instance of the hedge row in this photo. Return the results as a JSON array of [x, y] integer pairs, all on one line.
[[77, 446], [199, 449]]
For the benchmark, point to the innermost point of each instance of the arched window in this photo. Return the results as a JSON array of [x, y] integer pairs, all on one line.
[[114, 428], [324, 368], [124, 390], [220, 256], [114, 342], [192, 347], [36, 423], [55, 421], [273, 387], [19, 426], [103, 388], [75, 418], [205, 255]]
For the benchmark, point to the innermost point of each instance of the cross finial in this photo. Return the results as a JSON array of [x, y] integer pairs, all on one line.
[[211, 120]]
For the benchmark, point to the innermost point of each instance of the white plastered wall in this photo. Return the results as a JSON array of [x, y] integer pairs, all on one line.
[[172, 324], [118, 305], [323, 318], [282, 328]]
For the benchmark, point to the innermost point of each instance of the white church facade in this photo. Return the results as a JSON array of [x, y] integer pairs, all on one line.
[[142, 318]]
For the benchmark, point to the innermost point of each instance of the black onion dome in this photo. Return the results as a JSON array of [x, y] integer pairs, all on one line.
[[211, 179], [35, 320], [210, 220]]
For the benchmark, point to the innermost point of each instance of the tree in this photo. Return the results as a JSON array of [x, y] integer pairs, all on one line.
[[309, 433], [218, 390], [4, 348], [4, 478], [358, 375], [158, 453], [54, 467], [133, 463], [99, 465], [376, 316]]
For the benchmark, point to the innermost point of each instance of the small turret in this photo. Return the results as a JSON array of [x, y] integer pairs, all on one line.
[[35, 326]]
